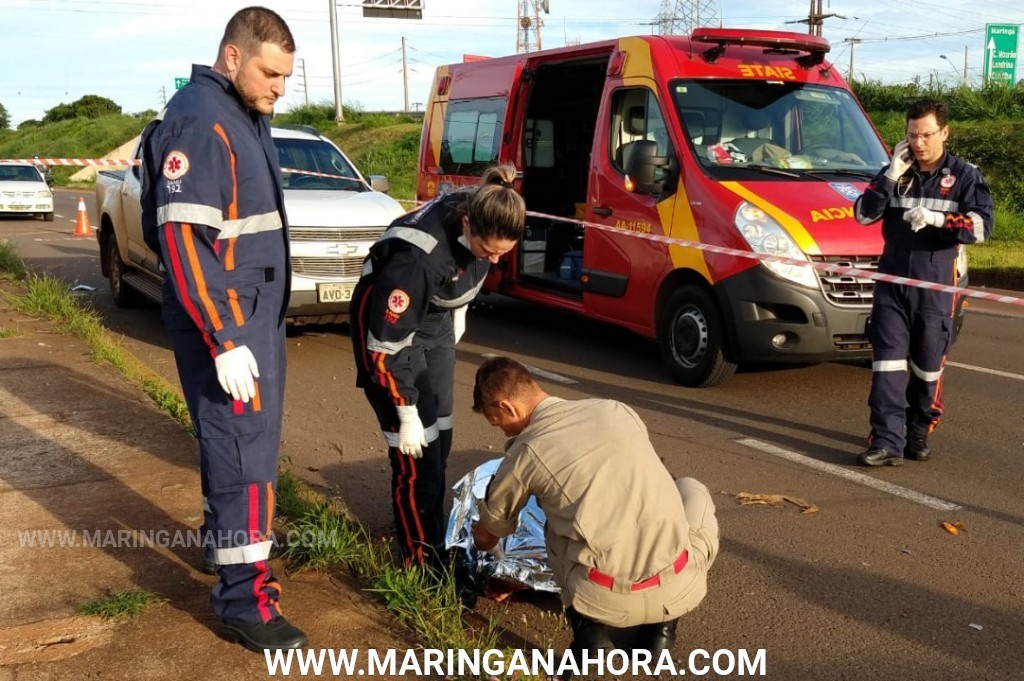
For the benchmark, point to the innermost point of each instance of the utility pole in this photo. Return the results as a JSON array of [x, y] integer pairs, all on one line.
[[816, 18], [965, 66], [852, 41], [163, 94], [405, 78], [305, 82], [339, 114]]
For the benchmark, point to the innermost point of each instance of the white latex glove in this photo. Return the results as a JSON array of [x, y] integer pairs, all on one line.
[[236, 370], [459, 321], [920, 217], [411, 436], [901, 160]]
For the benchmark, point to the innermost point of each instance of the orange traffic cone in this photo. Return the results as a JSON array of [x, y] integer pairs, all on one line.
[[82, 226]]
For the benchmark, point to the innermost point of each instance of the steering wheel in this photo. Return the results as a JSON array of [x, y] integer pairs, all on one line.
[[303, 180], [816, 147]]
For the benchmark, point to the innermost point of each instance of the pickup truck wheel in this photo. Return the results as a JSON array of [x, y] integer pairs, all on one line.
[[124, 295], [692, 339], [48, 217]]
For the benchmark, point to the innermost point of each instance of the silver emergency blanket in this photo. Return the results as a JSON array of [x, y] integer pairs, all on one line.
[[525, 559]]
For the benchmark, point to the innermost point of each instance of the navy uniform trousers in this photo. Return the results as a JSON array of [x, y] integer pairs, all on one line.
[[418, 485], [238, 448], [911, 333]]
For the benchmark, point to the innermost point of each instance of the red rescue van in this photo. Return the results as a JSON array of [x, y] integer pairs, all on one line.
[[745, 139]]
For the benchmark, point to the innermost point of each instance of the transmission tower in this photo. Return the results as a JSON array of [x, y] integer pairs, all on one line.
[[529, 24], [680, 17]]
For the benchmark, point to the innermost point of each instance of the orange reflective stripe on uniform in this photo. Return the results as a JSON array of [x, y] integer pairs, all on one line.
[[233, 206]]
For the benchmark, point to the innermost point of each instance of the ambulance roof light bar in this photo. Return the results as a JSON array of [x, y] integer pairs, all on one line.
[[814, 46]]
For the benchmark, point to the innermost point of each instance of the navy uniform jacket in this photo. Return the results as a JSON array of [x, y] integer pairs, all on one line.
[[419, 270], [213, 208], [956, 189]]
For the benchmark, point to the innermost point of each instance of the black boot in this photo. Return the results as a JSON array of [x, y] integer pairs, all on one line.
[[587, 634], [917, 446], [656, 637], [877, 456], [277, 634], [209, 562]]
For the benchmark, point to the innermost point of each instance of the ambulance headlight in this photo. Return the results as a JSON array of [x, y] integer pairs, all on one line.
[[764, 235]]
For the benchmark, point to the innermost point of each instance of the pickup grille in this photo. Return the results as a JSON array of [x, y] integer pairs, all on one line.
[[15, 195], [846, 290], [348, 266], [335, 233]]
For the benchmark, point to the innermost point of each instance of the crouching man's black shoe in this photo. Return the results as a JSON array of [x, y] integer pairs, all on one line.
[[876, 456], [656, 637], [277, 634], [917, 447]]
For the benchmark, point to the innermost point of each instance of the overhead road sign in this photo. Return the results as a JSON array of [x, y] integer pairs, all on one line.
[[180, 83], [393, 9]]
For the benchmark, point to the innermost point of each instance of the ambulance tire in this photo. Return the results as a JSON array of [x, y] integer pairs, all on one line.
[[692, 339]]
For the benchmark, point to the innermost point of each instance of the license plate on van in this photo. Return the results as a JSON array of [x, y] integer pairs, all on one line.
[[334, 293]]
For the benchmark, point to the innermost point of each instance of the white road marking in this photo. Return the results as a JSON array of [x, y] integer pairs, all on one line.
[[557, 378], [994, 372], [852, 476]]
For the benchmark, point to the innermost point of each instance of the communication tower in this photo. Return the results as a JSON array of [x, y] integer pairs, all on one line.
[[680, 17], [529, 24]]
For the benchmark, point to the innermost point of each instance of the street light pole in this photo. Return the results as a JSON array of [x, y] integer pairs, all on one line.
[[339, 114], [955, 72]]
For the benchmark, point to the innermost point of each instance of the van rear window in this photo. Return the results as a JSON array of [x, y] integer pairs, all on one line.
[[472, 135]]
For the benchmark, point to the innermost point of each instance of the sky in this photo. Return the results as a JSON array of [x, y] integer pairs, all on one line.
[[131, 51]]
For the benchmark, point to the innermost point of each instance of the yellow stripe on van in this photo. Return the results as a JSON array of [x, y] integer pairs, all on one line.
[[804, 241], [676, 213], [638, 61]]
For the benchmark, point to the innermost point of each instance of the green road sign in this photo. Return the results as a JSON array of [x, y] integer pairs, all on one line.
[[1001, 53], [182, 82]]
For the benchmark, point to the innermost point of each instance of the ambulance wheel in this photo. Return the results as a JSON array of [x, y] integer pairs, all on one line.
[[692, 339], [124, 295]]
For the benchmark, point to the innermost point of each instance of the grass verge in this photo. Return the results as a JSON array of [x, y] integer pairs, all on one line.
[[120, 605], [327, 538]]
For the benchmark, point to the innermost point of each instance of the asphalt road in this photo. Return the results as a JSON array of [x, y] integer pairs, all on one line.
[[870, 587]]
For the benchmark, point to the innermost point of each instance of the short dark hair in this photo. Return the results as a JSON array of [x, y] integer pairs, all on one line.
[[500, 378], [923, 107], [252, 26]]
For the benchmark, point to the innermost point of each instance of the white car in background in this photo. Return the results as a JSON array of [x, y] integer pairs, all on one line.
[[332, 221], [23, 190], [334, 216]]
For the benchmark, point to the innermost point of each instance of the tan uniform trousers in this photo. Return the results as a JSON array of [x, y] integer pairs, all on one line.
[[678, 593]]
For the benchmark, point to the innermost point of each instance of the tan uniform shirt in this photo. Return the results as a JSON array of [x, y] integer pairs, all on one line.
[[610, 504]]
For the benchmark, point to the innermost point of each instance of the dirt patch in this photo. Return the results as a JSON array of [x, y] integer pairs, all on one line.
[[52, 640]]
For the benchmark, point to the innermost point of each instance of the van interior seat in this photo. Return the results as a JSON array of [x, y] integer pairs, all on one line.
[[633, 125]]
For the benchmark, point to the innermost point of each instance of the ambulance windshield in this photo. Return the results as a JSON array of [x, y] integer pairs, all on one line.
[[736, 128]]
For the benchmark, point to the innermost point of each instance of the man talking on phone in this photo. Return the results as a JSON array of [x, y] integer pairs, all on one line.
[[931, 205]]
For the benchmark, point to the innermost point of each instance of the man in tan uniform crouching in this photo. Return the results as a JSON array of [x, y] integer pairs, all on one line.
[[628, 545]]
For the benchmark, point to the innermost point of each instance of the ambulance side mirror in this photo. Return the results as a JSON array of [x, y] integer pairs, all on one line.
[[646, 169]]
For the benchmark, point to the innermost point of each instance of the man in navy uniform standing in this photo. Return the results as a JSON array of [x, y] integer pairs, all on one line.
[[213, 208], [931, 204]]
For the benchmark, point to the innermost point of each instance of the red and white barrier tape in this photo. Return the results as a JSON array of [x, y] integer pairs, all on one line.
[[830, 268], [124, 162], [108, 162], [312, 173]]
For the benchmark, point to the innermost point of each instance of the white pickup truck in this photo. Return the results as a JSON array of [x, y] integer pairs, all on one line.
[[332, 224]]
